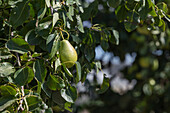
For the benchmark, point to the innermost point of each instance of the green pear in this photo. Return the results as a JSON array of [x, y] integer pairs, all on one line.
[[68, 54]]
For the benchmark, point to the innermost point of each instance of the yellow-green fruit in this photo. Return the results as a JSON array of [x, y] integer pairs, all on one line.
[[68, 54], [155, 64], [144, 62], [143, 30]]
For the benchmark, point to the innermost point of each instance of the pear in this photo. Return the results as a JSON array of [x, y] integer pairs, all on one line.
[[68, 54]]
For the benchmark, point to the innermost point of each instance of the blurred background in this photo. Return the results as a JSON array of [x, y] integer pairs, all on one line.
[[138, 68]]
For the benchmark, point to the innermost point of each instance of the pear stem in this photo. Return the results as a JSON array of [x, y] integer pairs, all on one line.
[[62, 35], [67, 34]]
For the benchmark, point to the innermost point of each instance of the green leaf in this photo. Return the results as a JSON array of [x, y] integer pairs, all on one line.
[[20, 13], [104, 44], [150, 3], [79, 5], [44, 33], [76, 39], [98, 66], [121, 13], [40, 70], [158, 21], [132, 23], [38, 87], [5, 53], [6, 69], [53, 44], [67, 106], [69, 2], [33, 102], [69, 94], [55, 82], [57, 5], [104, 86], [77, 78], [114, 3], [55, 47], [55, 18], [35, 54], [144, 11], [129, 26], [43, 45], [67, 70], [48, 3], [26, 28], [30, 74], [79, 23], [7, 90], [116, 36], [167, 17], [23, 76], [90, 11], [6, 101], [71, 10], [64, 19], [45, 88], [42, 12], [18, 45], [153, 12], [49, 110], [69, 16], [163, 27], [57, 98], [163, 7], [32, 38], [57, 64], [89, 53], [50, 41]]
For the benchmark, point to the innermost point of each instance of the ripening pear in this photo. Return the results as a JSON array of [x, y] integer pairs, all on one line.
[[68, 54]]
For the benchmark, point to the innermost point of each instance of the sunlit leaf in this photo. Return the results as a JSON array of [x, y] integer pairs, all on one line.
[[55, 18], [162, 6], [6, 69], [48, 3], [105, 85], [116, 36], [42, 12], [18, 45], [69, 94], [79, 23], [7, 90]]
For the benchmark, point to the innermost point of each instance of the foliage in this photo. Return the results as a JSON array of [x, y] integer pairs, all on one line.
[[32, 76]]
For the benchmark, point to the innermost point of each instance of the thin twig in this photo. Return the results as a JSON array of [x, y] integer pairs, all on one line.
[[22, 87], [18, 60], [52, 12]]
